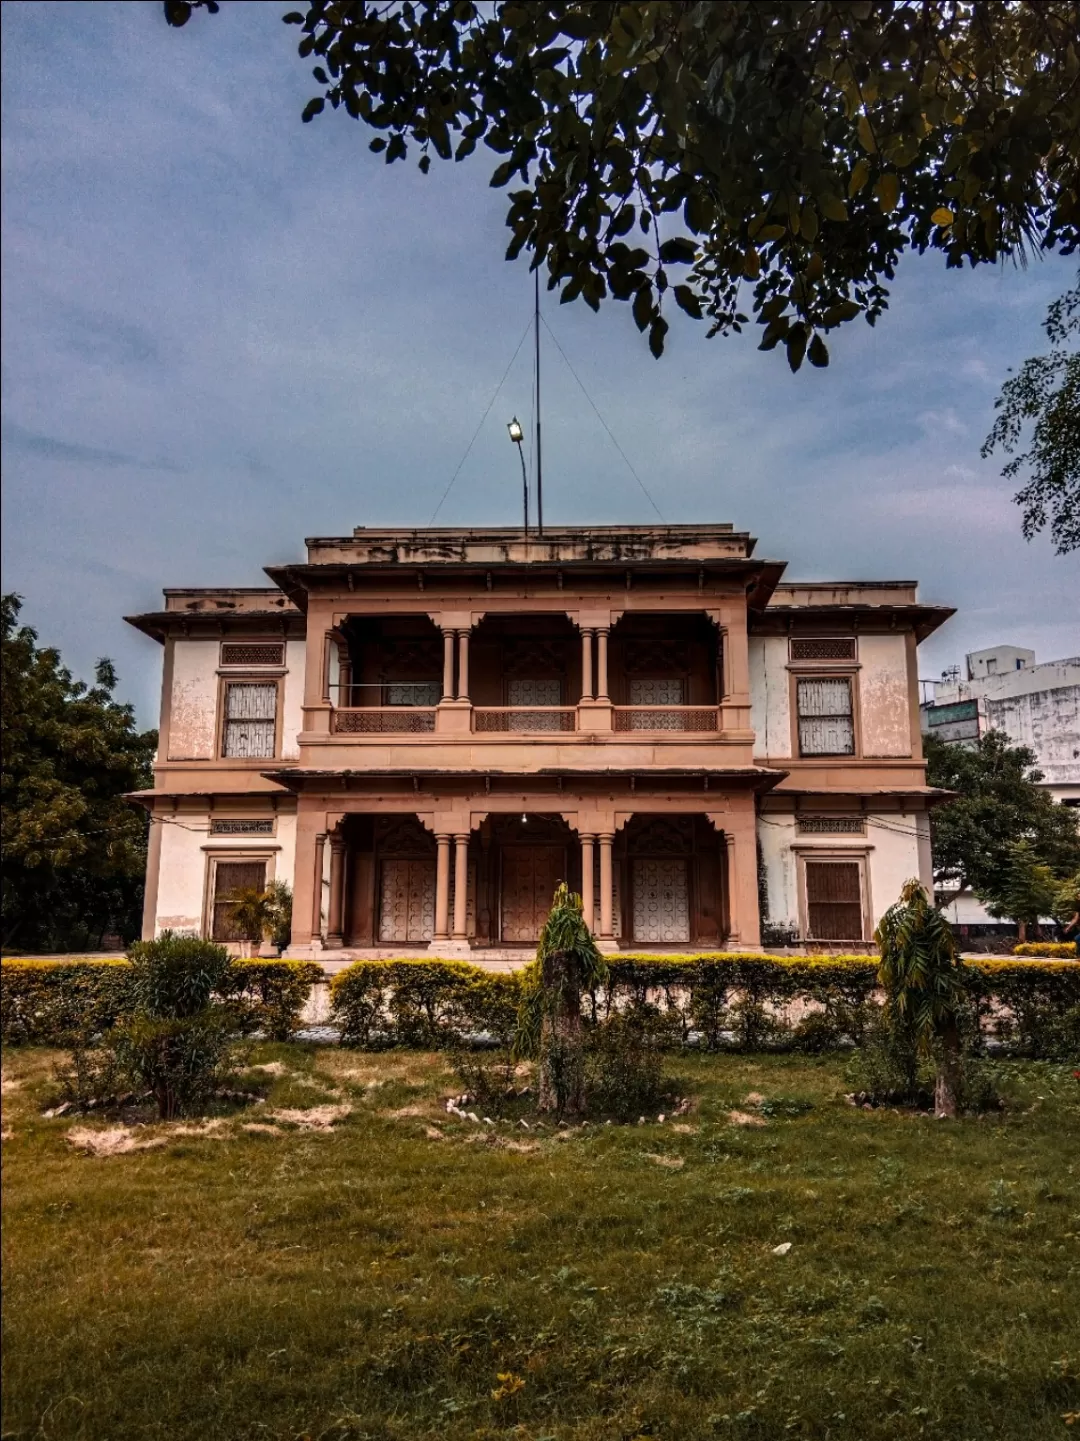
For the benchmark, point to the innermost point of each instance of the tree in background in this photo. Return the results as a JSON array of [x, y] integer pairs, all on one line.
[[74, 849], [1045, 393], [728, 153], [998, 803], [1025, 891]]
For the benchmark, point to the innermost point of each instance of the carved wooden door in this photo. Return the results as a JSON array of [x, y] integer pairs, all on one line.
[[407, 901], [529, 877], [661, 900]]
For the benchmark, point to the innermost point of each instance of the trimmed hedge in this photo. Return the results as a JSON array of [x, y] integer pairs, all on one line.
[[1060, 950], [48, 1002], [734, 1000]]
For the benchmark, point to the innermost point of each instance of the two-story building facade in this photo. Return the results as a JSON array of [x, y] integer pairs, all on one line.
[[422, 732]]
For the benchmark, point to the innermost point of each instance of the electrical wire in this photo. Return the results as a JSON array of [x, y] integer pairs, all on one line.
[[603, 422], [476, 432]]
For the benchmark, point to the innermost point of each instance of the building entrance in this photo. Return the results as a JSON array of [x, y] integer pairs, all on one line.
[[530, 874]]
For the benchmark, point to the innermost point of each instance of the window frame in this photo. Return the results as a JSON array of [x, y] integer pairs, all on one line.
[[850, 674], [215, 856], [837, 854], [249, 677]]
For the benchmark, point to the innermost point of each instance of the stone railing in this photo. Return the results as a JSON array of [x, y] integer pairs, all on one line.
[[531, 719], [382, 720], [666, 718]]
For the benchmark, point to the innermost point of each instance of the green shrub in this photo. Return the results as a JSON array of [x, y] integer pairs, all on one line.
[[273, 993], [1048, 950], [732, 1001], [181, 1060], [57, 1003], [431, 1004], [624, 1063], [52, 1003]]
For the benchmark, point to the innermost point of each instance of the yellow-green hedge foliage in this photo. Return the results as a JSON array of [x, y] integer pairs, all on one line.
[[727, 998], [1046, 949], [48, 1002]]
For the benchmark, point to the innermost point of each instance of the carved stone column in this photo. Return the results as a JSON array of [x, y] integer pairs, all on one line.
[[602, 663], [442, 888], [744, 920], [335, 920], [607, 906], [448, 665], [461, 887], [463, 665], [588, 893], [316, 895], [586, 664]]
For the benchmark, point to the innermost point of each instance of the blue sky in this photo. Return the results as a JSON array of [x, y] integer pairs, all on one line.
[[224, 331]]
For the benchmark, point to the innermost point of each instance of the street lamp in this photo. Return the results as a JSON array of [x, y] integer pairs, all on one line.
[[517, 435]]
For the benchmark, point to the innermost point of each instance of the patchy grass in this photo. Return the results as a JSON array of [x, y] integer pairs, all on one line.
[[393, 1272]]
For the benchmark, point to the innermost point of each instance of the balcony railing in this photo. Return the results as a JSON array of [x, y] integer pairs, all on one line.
[[531, 719], [382, 720], [666, 717]]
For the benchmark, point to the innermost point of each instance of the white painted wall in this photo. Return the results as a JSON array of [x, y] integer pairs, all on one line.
[[883, 696], [770, 699], [293, 718], [193, 719], [181, 876], [185, 845], [893, 858]]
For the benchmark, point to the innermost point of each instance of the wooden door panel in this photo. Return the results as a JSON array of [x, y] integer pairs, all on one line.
[[407, 901], [529, 877]]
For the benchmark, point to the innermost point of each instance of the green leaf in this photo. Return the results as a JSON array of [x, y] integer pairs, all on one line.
[[643, 307], [686, 300], [859, 176], [313, 108], [887, 191], [817, 353], [657, 331], [796, 346], [678, 251], [832, 207], [502, 173]]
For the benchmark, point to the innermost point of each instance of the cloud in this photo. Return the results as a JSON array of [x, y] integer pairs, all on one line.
[[225, 331], [26, 441]]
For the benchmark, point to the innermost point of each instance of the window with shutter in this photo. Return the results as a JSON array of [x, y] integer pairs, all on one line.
[[542, 692], [826, 722], [834, 901], [231, 877], [250, 720]]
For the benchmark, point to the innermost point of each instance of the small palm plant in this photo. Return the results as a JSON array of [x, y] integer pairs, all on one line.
[[924, 991], [549, 1025], [253, 915]]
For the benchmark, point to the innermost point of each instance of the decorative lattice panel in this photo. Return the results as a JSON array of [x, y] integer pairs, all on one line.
[[241, 828], [407, 901], [367, 721], [661, 901], [252, 653], [823, 648], [830, 825]]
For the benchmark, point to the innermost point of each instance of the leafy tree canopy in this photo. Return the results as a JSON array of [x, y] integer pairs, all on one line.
[[998, 803], [74, 849], [1045, 393], [725, 154], [1026, 890]]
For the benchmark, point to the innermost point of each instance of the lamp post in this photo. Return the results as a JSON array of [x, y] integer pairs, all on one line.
[[517, 435]]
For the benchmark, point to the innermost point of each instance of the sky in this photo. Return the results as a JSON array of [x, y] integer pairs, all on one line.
[[224, 331]]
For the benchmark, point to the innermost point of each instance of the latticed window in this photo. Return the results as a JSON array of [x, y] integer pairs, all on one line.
[[826, 723], [542, 692], [230, 878], [657, 690], [250, 720], [252, 653], [427, 692], [834, 901], [830, 647]]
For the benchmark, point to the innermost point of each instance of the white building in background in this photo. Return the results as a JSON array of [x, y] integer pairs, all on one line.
[[1035, 705]]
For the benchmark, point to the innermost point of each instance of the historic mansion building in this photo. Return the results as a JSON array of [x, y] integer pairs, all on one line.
[[423, 731]]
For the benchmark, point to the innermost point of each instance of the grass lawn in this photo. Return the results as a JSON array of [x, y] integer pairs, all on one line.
[[405, 1274]]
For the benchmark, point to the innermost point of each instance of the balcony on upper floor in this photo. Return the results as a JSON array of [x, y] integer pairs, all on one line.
[[536, 678]]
